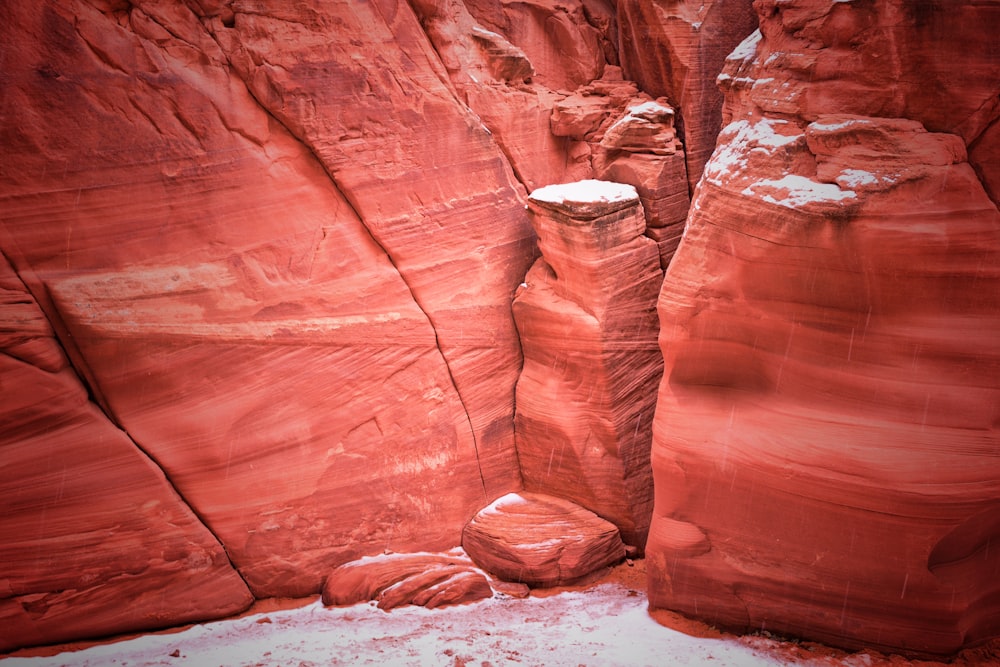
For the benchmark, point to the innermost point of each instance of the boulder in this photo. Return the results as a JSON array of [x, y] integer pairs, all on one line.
[[422, 579], [540, 540], [647, 127]]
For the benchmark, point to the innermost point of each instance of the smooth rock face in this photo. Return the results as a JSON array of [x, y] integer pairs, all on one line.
[[826, 434], [422, 579], [540, 540], [422, 172], [587, 320], [75, 490]]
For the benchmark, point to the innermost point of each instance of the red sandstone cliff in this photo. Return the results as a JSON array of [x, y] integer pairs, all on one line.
[[277, 246], [826, 440], [259, 265]]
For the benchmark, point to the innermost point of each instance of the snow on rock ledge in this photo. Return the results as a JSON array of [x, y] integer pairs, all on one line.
[[587, 199], [825, 443]]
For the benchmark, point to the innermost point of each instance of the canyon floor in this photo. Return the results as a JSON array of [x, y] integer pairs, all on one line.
[[603, 622]]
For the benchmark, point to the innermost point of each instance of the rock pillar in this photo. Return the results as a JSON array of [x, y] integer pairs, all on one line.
[[587, 320]]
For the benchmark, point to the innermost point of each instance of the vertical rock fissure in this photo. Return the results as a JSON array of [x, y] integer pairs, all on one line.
[[356, 209], [430, 320], [34, 286], [191, 506]]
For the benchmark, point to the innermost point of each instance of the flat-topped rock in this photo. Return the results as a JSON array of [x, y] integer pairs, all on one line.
[[540, 540], [586, 199]]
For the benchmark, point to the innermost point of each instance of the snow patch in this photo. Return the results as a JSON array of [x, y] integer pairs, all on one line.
[[588, 191], [454, 552], [853, 178], [740, 137], [861, 179], [799, 191], [842, 125], [506, 501], [607, 625], [747, 48]]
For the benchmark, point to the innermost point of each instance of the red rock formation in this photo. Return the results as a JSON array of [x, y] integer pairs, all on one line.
[[825, 443], [422, 579], [95, 539], [564, 48], [540, 540], [282, 334], [675, 50], [421, 171], [512, 62], [587, 320], [641, 149]]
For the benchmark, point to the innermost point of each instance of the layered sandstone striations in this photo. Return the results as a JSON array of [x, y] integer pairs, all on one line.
[[285, 272], [587, 320], [512, 61], [641, 148], [392, 580], [95, 539], [422, 172], [826, 437]]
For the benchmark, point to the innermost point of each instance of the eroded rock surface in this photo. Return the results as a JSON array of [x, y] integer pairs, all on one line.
[[587, 320], [422, 579], [825, 444], [243, 238], [641, 148], [540, 540]]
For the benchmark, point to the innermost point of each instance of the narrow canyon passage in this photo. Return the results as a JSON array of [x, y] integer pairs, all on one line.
[[284, 288]]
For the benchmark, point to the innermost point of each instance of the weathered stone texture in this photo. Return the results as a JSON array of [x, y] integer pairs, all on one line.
[[825, 443]]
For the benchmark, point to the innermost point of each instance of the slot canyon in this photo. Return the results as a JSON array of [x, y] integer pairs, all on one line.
[[454, 303]]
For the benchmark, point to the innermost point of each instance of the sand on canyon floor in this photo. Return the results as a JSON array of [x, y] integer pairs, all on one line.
[[603, 622]]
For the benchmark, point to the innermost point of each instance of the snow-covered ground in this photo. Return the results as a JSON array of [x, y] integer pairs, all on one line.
[[602, 624]]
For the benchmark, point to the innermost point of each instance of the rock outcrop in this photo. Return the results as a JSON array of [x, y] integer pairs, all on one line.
[[587, 322], [259, 261], [826, 434], [540, 540], [641, 148], [421, 579]]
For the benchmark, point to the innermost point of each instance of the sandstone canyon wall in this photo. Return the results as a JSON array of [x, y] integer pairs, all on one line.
[[259, 265], [259, 261], [675, 50], [827, 439]]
